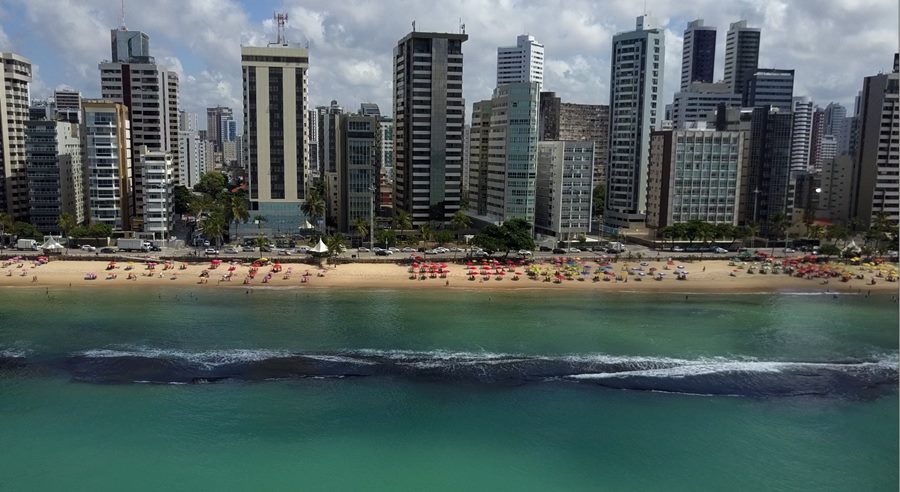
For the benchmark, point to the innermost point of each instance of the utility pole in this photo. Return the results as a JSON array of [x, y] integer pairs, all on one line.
[[372, 218]]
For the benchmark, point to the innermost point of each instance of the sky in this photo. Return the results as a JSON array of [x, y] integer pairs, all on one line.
[[832, 44]]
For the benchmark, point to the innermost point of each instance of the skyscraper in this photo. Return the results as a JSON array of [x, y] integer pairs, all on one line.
[[817, 133], [159, 184], [837, 124], [219, 122], [429, 112], [523, 62], [770, 87], [770, 166], [150, 93], [741, 54], [635, 95], [275, 123], [107, 159], [15, 76], [502, 180], [569, 121], [358, 170], [564, 188], [56, 180], [698, 54], [68, 105], [876, 187], [801, 133]]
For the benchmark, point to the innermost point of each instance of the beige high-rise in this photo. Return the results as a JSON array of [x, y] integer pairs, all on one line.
[[15, 75]]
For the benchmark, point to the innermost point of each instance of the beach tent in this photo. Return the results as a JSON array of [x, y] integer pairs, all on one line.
[[307, 225], [852, 247], [52, 245], [319, 248]]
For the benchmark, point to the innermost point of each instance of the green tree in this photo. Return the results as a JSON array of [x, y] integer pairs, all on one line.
[[211, 183], [362, 228], [388, 237], [837, 232], [815, 231], [829, 250], [752, 232], [236, 206], [214, 226], [598, 201], [402, 220], [201, 205], [66, 223], [25, 230], [425, 233], [313, 207], [777, 226], [460, 221], [336, 244], [6, 223], [99, 230], [490, 239], [183, 198], [443, 236]]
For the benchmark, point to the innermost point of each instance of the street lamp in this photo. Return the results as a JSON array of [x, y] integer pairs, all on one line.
[[372, 219]]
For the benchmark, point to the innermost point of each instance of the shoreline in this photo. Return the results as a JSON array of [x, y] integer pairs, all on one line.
[[705, 277]]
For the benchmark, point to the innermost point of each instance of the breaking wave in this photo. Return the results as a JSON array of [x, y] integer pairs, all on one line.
[[707, 376]]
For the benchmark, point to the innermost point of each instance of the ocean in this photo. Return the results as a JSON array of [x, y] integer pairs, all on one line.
[[220, 389]]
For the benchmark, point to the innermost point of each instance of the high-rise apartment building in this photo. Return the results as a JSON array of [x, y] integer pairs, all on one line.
[[876, 173], [838, 125], [817, 133], [68, 105], [694, 175], [801, 133], [358, 170], [159, 192], [150, 92], [770, 166], [329, 121], [770, 87], [568, 121], [275, 124], [15, 76], [698, 54], [635, 95], [698, 101], [564, 188], [387, 148], [312, 122], [502, 180], [741, 55], [220, 125], [429, 112], [56, 180], [834, 191], [523, 62], [107, 160]]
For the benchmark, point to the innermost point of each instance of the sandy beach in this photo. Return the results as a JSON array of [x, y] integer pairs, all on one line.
[[710, 276]]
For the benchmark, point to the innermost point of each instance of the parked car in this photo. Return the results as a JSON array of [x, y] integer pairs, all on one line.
[[394, 249], [678, 249], [231, 250], [479, 254], [524, 252], [790, 250], [574, 250], [248, 249], [108, 250], [155, 248], [285, 252], [721, 251], [205, 244], [384, 252], [265, 249], [362, 250], [211, 251], [559, 251], [88, 247], [303, 250], [408, 250]]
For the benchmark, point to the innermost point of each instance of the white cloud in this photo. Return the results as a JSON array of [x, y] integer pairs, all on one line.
[[832, 44]]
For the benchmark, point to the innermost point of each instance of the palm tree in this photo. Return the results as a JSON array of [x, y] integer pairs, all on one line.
[[66, 223], [237, 208], [403, 221], [6, 223], [425, 232], [752, 232], [460, 221], [313, 207], [213, 226], [778, 223], [679, 231], [362, 228], [706, 232], [201, 204], [336, 244]]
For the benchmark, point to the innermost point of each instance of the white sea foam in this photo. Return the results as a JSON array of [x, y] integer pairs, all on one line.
[[211, 358]]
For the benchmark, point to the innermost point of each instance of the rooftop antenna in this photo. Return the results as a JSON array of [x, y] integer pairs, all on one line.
[[280, 19], [123, 17], [414, 25]]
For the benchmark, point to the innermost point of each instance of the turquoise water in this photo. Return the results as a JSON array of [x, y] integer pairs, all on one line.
[[416, 429]]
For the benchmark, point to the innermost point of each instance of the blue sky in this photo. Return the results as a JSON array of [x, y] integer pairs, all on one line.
[[832, 44]]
